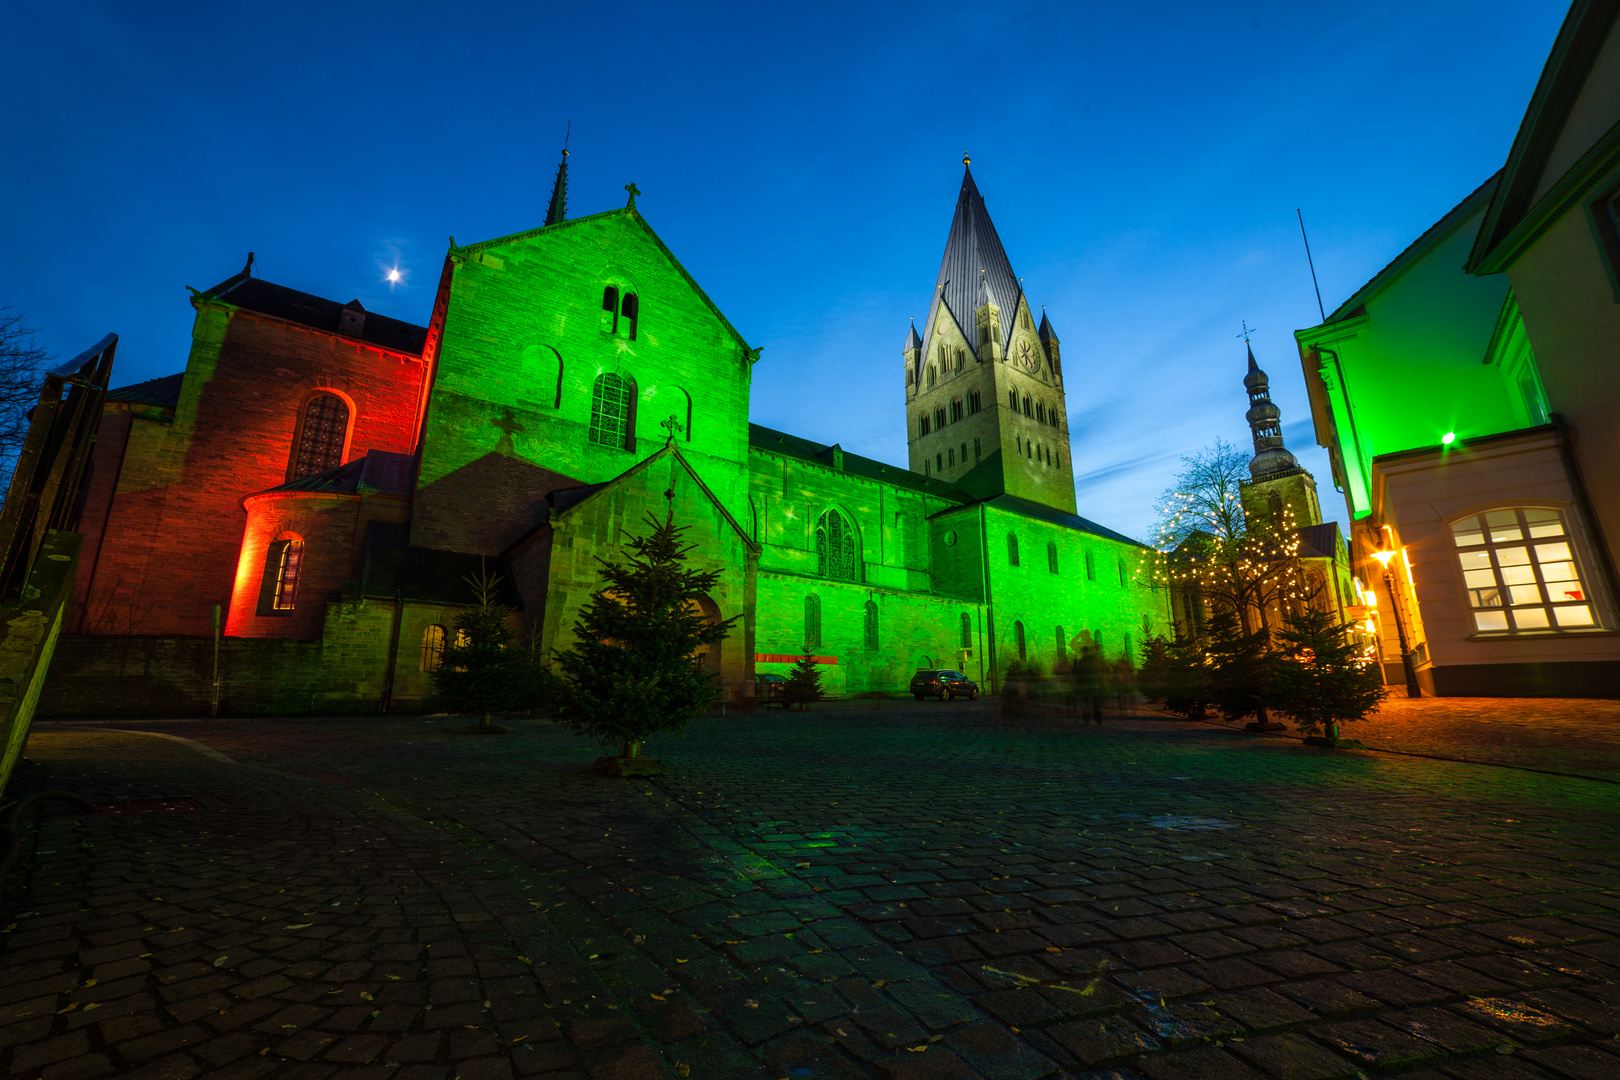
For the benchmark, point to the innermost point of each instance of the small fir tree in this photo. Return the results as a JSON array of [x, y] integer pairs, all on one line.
[[1323, 678], [632, 672], [1240, 668], [483, 670], [803, 686], [1174, 674]]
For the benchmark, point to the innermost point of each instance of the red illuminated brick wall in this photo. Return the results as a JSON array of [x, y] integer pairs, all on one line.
[[325, 523], [176, 522]]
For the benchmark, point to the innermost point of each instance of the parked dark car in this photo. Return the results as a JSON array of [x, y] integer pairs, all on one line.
[[943, 685], [768, 690]]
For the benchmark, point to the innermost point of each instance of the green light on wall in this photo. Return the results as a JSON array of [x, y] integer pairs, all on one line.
[[1448, 438]]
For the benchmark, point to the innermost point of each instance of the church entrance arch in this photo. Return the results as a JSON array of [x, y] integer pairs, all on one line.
[[707, 657]]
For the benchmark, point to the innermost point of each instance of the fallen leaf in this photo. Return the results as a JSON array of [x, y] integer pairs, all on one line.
[[678, 960], [658, 997], [917, 1049], [299, 926], [751, 1004]]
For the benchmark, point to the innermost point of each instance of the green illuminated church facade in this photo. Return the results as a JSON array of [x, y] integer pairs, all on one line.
[[572, 380]]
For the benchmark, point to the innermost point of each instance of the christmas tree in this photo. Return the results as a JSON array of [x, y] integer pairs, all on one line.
[[483, 671], [632, 672], [1240, 668], [803, 685], [1322, 677], [1174, 674]]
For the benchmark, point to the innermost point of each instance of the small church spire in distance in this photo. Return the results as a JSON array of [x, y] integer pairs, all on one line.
[[1271, 458], [558, 210]]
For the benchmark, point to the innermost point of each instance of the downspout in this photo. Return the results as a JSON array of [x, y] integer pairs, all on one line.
[[393, 652], [1583, 503], [989, 626]]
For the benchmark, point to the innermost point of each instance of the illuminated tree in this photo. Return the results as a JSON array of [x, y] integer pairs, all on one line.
[[1209, 549], [633, 671]]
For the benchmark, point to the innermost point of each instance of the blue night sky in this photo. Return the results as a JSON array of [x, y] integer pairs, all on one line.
[[1142, 163]]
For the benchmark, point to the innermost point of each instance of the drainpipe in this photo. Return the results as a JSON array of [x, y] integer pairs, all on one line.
[[984, 583], [393, 653]]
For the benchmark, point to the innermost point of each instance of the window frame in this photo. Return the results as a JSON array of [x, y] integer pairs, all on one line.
[[302, 427], [433, 647], [1569, 535], [627, 439], [828, 562]]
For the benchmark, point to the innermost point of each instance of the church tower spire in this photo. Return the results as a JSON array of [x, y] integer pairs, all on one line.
[[558, 210], [984, 389], [1278, 479]]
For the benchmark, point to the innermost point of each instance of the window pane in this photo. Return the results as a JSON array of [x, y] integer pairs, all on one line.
[[1544, 523], [1517, 575], [1577, 615], [1466, 532], [1512, 556], [1485, 597], [1479, 579], [1558, 571], [1524, 594], [1503, 525], [1552, 552], [1475, 560], [1530, 618], [320, 443], [1490, 620]]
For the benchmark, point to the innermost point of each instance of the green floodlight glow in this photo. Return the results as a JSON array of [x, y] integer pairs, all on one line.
[[1448, 438]]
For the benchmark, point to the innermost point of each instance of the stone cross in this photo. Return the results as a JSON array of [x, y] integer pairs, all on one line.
[[634, 191], [673, 426]]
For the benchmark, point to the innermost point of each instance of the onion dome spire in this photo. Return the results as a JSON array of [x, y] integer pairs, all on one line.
[[1271, 458], [558, 210]]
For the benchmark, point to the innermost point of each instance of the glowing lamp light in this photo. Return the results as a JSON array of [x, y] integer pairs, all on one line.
[[1448, 438], [1383, 557]]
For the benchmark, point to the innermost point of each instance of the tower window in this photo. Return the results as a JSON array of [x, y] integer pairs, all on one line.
[[951, 457], [432, 647], [1027, 410], [908, 375], [974, 401], [1018, 636], [1122, 573], [630, 308], [1012, 399], [961, 358], [967, 631], [922, 425], [1040, 411], [321, 436], [871, 626], [975, 449], [939, 417], [1091, 567], [835, 547], [1051, 557], [956, 408], [1012, 549], [285, 561], [933, 376], [964, 453], [939, 462], [984, 335], [812, 621], [610, 304], [613, 421]]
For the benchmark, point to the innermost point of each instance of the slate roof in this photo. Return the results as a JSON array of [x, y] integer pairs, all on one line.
[[378, 471], [1319, 541], [1026, 508], [439, 577], [779, 442], [972, 247], [280, 302], [164, 391]]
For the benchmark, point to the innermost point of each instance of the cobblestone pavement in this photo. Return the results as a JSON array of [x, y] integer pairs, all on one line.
[[906, 892]]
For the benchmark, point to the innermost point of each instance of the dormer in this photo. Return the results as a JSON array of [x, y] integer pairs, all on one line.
[[352, 320]]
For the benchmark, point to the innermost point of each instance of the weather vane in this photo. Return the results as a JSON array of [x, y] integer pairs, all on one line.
[[1247, 330]]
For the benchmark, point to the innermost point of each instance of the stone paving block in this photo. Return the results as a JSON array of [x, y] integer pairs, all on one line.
[[1293, 1057]]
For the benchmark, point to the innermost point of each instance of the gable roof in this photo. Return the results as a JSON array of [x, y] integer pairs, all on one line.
[[974, 261], [631, 213], [1431, 238], [1319, 541], [377, 471], [317, 312], [780, 442], [162, 391], [1510, 222]]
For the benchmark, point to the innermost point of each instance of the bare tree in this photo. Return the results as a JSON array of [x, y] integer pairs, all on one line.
[[21, 361], [1210, 548]]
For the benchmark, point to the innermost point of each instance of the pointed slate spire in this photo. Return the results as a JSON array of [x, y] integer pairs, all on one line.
[[913, 342], [1046, 333], [974, 261], [558, 210]]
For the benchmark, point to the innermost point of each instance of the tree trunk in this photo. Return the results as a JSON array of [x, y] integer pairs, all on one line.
[[631, 750]]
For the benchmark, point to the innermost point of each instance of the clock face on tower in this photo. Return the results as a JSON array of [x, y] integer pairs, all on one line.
[[1026, 355]]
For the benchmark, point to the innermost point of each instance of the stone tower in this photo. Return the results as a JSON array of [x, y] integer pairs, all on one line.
[[1277, 479], [984, 386]]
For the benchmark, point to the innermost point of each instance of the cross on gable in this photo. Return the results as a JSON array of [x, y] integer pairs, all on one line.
[[634, 191], [673, 426]]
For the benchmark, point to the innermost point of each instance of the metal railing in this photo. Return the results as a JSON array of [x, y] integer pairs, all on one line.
[[47, 486]]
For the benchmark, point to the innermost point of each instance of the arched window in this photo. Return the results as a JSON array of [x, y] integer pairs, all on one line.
[[321, 436], [1091, 567], [1012, 549], [975, 401], [939, 462], [812, 621], [1018, 635], [956, 409], [1520, 572], [835, 547], [1062, 645], [1012, 399], [975, 449], [961, 358], [951, 457], [282, 564], [1051, 556], [1122, 573], [939, 417], [630, 308], [432, 647], [1027, 410], [610, 304], [923, 427], [967, 631], [964, 453], [933, 376], [613, 420], [1040, 411], [871, 626]]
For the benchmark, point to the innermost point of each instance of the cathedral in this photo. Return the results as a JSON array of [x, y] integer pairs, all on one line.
[[289, 524]]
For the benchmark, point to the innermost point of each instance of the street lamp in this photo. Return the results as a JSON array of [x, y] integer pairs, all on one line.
[[1412, 689]]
